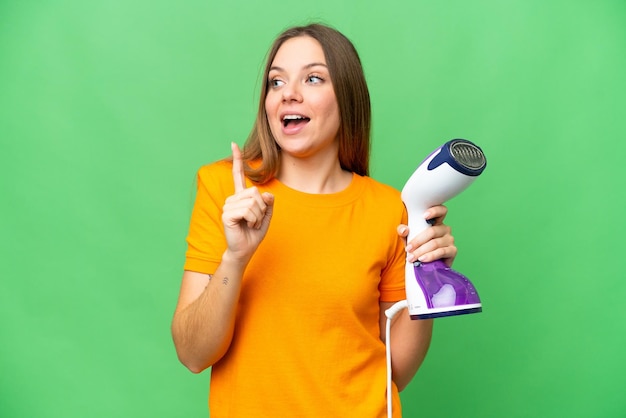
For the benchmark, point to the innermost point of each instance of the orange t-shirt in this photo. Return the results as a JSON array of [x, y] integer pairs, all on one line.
[[307, 338]]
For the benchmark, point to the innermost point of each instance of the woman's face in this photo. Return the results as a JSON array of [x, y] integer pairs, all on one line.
[[301, 106]]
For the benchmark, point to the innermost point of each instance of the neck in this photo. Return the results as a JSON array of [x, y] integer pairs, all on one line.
[[313, 176]]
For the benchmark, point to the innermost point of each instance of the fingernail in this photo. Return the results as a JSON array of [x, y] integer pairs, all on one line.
[[427, 214], [409, 248]]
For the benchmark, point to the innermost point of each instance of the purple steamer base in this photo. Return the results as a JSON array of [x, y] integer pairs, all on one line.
[[431, 277]]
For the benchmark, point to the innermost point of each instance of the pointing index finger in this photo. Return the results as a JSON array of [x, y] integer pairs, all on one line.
[[238, 174]]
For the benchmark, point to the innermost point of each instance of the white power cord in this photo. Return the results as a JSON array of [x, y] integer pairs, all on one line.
[[390, 313]]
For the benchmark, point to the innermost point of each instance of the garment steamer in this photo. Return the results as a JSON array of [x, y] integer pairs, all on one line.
[[433, 289]]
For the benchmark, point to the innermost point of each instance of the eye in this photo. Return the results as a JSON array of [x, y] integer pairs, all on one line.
[[275, 82], [314, 79]]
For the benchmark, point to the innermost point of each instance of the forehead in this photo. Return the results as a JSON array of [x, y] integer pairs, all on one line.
[[298, 52]]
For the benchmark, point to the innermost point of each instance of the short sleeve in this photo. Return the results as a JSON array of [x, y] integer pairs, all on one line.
[[392, 287], [205, 241]]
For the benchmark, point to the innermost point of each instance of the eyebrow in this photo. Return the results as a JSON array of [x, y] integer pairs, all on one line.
[[306, 67]]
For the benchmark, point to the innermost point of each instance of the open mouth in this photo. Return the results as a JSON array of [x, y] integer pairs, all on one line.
[[294, 120]]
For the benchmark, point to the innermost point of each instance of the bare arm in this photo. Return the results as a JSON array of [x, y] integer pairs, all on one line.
[[409, 343], [204, 319]]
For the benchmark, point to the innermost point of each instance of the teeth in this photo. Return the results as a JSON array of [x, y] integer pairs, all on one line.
[[292, 117]]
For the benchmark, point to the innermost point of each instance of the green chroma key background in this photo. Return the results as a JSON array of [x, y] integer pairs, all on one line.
[[108, 108]]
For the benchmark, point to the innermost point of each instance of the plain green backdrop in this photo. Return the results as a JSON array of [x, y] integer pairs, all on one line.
[[108, 108]]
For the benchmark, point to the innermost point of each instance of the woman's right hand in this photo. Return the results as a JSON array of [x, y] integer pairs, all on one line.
[[246, 214]]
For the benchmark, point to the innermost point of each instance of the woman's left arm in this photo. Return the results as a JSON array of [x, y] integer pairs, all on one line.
[[410, 339]]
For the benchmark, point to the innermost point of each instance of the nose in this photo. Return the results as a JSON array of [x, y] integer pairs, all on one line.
[[291, 93]]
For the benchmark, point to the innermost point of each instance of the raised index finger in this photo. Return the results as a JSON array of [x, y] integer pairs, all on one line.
[[238, 175]]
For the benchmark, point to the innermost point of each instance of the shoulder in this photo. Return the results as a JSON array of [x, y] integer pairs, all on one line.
[[383, 197], [220, 168], [224, 169], [379, 188], [216, 177]]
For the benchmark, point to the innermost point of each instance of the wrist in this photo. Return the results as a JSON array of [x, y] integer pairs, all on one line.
[[234, 262]]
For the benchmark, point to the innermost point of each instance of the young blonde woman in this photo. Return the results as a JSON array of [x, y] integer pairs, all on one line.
[[294, 253]]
